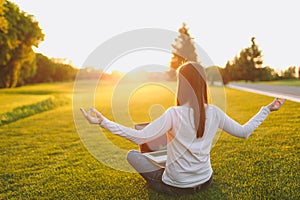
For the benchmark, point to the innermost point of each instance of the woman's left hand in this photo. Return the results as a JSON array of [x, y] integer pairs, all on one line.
[[88, 115], [276, 104]]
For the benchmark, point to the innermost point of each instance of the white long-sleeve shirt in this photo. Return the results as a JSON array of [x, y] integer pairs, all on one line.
[[188, 159]]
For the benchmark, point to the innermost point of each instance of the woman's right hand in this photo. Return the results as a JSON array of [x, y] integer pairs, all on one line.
[[88, 115], [276, 104]]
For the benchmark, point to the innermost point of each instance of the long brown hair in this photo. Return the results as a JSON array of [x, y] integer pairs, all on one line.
[[192, 89]]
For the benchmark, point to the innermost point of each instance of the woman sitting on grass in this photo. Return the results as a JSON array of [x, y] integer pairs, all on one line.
[[191, 127]]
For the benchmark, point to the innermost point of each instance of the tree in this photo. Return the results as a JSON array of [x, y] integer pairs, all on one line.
[[233, 71], [266, 74], [3, 21], [290, 73], [64, 72], [224, 75], [183, 49], [249, 60], [213, 75], [16, 41], [244, 66], [28, 69], [49, 71], [45, 69]]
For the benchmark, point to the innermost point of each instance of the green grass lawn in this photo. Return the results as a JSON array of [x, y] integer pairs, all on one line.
[[9, 101], [42, 156], [293, 82], [26, 95]]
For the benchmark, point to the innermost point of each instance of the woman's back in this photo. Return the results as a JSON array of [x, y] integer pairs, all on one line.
[[188, 156], [188, 162]]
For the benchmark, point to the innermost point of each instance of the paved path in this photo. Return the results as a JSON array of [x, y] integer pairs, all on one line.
[[288, 92]]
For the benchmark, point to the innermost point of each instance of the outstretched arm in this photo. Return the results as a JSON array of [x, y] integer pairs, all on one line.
[[244, 131], [153, 130]]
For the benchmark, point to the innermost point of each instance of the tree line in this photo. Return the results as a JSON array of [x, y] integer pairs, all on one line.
[[19, 64], [247, 65]]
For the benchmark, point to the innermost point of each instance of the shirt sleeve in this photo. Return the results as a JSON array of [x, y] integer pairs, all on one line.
[[152, 131], [243, 131]]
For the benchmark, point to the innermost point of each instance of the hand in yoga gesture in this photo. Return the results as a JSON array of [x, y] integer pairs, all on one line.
[[88, 115], [276, 104]]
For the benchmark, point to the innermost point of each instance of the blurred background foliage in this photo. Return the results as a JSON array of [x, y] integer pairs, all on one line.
[[20, 65]]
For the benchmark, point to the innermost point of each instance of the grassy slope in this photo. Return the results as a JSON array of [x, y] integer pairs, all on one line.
[[283, 82], [26, 95], [295, 82], [42, 156], [8, 101]]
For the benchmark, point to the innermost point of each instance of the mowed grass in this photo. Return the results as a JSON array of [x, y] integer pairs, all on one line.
[[42, 156], [295, 82], [26, 95], [9, 102]]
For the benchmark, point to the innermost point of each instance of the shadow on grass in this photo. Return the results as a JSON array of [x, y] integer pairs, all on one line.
[[212, 193]]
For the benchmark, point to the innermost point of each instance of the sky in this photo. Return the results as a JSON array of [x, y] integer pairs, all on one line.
[[74, 29]]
